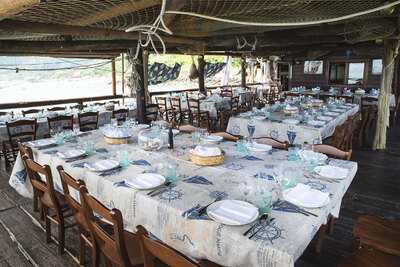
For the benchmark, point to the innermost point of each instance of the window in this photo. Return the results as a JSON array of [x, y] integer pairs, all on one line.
[[377, 66], [337, 73], [356, 73], [313, 67]]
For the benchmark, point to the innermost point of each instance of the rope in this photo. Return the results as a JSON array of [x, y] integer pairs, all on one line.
[[280, 24]]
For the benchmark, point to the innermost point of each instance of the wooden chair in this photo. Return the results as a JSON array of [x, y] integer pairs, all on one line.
[[151, 112], [153, 249], [68, 182], [198, 117], [54, 208], [121, 115], [18, 131], [181, 114], [56, 109], [272, 142], [63, 122], [118, 247], [333, 152], [379, 243], [166, 112], [88, 121], [31, 111], [27, 151], [369, 116]]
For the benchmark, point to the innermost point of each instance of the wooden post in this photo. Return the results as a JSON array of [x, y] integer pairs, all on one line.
[[114, 82], [123, 77], [200, 68], [243, 71], [146, 75], [391, 48], [140, 89]]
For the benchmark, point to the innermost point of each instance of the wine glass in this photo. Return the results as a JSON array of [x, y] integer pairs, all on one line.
[[251, 128]]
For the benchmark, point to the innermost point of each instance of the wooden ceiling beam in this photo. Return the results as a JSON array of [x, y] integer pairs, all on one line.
[[62, 55], [11, 7], [118, 10], [61, 29]]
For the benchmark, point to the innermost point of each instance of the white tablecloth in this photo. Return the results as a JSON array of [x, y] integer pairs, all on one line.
[[43, 127], [279, 130], [279, 244]]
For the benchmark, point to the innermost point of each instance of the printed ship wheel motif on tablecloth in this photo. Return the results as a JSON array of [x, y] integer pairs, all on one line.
[[269, 233], [171, 195]]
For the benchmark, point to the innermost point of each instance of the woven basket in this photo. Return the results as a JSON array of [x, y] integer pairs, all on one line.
[[116, 141], [207, 161]]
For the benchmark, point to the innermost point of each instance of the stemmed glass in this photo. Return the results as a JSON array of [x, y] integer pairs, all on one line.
[[251, 128]]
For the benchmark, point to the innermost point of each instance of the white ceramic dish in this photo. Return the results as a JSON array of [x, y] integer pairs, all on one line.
[[232, 212]]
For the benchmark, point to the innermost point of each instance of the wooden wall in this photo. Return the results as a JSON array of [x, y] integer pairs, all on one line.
[[322, 80]]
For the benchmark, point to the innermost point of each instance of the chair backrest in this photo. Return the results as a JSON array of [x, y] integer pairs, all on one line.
[[64, 122], [68, 181], [25, 150], [272, 142], [194, 105], [31, 111], [35, 171], [112, 245], [162, 103], [152, 112], [88, 121], [153, 249], [121, 114], [176, 103], [333, 152], [56, 109], [21, 130]]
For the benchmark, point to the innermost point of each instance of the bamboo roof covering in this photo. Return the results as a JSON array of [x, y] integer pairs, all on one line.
[[289, 25]]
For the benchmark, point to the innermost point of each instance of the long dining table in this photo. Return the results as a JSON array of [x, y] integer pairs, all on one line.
[[167, 215], [277, 127], [43, 127]]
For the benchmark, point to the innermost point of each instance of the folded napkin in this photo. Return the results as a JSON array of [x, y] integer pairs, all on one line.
[[332, 172], [256, 147], [206, 151], [304, 196], [232, 212], [73, 153], [309, 155], [103, 165]]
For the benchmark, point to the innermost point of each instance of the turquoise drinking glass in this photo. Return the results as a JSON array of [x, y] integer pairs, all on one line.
[[293, 153], [264, 203], [123, 158], [241, 148]]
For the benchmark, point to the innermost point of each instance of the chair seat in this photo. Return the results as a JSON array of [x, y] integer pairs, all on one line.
[[368, 257], [379, 233], [46, 200]]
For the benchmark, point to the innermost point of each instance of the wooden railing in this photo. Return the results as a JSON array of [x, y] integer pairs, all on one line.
[[80, 101]]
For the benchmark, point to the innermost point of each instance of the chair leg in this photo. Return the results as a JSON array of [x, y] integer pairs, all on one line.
[[61, 237], [47, 223], [320, 238], [95, 256], [35, 201], [82, 244]]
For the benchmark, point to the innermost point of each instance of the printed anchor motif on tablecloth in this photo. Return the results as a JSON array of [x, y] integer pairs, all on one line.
[[184, 238], [263, 175], [233, 166], [218, 194], [21, 176], [235, 129], [268, 233], [171, 194]]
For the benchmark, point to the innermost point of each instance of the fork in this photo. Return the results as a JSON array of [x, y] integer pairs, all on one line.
[[259, 221]]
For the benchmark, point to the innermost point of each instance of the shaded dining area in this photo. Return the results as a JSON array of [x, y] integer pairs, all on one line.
[[294, 164]]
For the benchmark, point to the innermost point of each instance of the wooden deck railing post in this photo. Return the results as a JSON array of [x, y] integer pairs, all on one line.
[[123, 77], [140, 90]]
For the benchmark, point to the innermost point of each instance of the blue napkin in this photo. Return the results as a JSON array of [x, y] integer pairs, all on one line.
[[197, 180], [140, 162]]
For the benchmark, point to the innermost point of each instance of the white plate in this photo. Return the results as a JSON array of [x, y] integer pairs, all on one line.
[[42, 143], [256, 147], [102, 165], [212, 139], [71, 154], [316, 123], [232, 212], [324, 118], [304, 196], [291, 121], [309, 155], [332, 172], [146, 181]]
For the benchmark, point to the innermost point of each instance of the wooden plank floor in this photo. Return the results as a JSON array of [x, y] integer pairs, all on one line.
[[375, 190]]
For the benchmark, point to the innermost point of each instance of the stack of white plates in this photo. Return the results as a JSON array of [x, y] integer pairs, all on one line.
[[232, 212], [102, 165]]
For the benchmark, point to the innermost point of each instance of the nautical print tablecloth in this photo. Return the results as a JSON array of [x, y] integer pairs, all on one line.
[[43, 127], [279, 130], [279, 244]]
